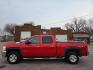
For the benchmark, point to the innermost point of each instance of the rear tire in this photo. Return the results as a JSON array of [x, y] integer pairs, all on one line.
[[13, 57], [72, 58]]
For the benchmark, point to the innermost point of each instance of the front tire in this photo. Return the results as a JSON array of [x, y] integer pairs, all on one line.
[[72, 58], [13, 57]]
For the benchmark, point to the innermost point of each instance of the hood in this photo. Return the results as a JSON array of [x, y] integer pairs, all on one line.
[[12, 44]]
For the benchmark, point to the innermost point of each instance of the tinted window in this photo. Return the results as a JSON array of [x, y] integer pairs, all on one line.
[[47, 39], [35, 40]]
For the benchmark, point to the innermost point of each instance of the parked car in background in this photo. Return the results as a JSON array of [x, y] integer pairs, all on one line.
[[1, 38]]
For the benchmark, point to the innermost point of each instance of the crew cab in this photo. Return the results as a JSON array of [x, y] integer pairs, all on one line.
[[44, 46]]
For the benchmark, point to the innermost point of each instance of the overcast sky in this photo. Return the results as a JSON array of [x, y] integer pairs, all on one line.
[[47, 13]]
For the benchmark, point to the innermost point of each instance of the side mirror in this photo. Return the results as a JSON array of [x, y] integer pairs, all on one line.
[[27, 42], [22, 41]]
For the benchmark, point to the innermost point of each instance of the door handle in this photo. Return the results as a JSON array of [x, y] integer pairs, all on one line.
[[37, 46]]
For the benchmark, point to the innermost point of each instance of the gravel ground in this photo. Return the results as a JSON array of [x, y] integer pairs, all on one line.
[[86, 63]]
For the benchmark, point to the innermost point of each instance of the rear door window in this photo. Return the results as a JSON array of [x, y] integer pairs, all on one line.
[[47, 39]]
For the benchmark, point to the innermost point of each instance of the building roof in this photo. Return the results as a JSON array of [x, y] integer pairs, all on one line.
[[81, 35]]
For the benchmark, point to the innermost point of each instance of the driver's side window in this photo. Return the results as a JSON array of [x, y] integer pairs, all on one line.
[[35, 40]]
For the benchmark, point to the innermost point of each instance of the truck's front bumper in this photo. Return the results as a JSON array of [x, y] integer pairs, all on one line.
[[3, 53]]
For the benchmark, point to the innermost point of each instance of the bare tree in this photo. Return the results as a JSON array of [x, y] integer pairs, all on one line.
[[90, 25], [2, 32], [70, 26], [10, 28], [81, 25], [76, 25]]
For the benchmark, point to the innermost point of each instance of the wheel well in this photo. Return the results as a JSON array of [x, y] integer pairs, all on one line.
[[76, 50], [13, 49]]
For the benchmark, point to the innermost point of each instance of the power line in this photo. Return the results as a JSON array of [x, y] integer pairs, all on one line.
[[72, 18], [85, 15]]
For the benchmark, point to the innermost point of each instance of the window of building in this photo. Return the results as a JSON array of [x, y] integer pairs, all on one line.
[[25, 34]]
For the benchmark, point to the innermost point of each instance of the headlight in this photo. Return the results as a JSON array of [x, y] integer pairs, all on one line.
[[4, 48]]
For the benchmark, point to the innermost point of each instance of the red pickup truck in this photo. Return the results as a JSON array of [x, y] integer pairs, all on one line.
[[44, 46]]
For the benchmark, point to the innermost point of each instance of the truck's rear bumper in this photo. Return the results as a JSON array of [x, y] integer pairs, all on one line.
[[88, 53], [85, 54]]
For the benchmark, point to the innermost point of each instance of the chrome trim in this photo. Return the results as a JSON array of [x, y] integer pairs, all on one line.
[[3, 53]]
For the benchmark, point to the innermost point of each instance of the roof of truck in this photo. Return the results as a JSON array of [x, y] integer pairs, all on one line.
[[43, 35]]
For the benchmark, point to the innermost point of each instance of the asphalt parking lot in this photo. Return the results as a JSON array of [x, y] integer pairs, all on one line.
[[86, 63]]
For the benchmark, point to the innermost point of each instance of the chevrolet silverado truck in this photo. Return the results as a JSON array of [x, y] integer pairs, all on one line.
[[44, 46]]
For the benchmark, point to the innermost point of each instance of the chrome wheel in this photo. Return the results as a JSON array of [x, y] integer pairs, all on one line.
[[73, 58], [13, 58]]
